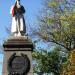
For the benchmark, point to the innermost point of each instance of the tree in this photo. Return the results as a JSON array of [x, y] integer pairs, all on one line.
[[47, 62], [57, 23]]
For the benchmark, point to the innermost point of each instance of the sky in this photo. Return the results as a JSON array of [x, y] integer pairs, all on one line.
[[32, 10]]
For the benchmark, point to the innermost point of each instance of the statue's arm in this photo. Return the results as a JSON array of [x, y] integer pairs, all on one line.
[[23, 9], [12, 10]]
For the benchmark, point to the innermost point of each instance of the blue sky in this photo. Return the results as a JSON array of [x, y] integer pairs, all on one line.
[[32, 9]]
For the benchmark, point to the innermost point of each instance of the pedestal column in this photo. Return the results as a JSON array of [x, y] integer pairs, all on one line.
[[17, 56]]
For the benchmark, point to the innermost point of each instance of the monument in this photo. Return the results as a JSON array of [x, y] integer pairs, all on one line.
[[18, 47]]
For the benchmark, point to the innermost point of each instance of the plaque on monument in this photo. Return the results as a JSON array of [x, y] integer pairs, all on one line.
[[18, 64]]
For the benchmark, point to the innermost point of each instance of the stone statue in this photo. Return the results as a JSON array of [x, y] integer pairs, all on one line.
[[18, 23]]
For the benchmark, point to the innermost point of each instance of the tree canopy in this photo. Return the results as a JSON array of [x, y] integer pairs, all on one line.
[[57, 23], [48, 61]]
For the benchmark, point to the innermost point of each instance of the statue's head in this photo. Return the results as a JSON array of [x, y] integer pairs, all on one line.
[[17, 2]]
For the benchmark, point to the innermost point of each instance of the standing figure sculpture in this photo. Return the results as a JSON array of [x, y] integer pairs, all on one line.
[[18, 23]]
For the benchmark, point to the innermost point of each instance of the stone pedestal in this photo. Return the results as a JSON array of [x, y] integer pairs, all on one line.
[[18, 45]]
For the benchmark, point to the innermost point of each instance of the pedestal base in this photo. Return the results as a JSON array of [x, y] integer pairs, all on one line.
[[19, 45]]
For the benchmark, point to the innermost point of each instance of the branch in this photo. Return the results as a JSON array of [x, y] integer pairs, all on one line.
[[59, 44]]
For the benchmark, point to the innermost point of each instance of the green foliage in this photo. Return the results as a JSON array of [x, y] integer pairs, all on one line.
[[47, 62], [58, 23]]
